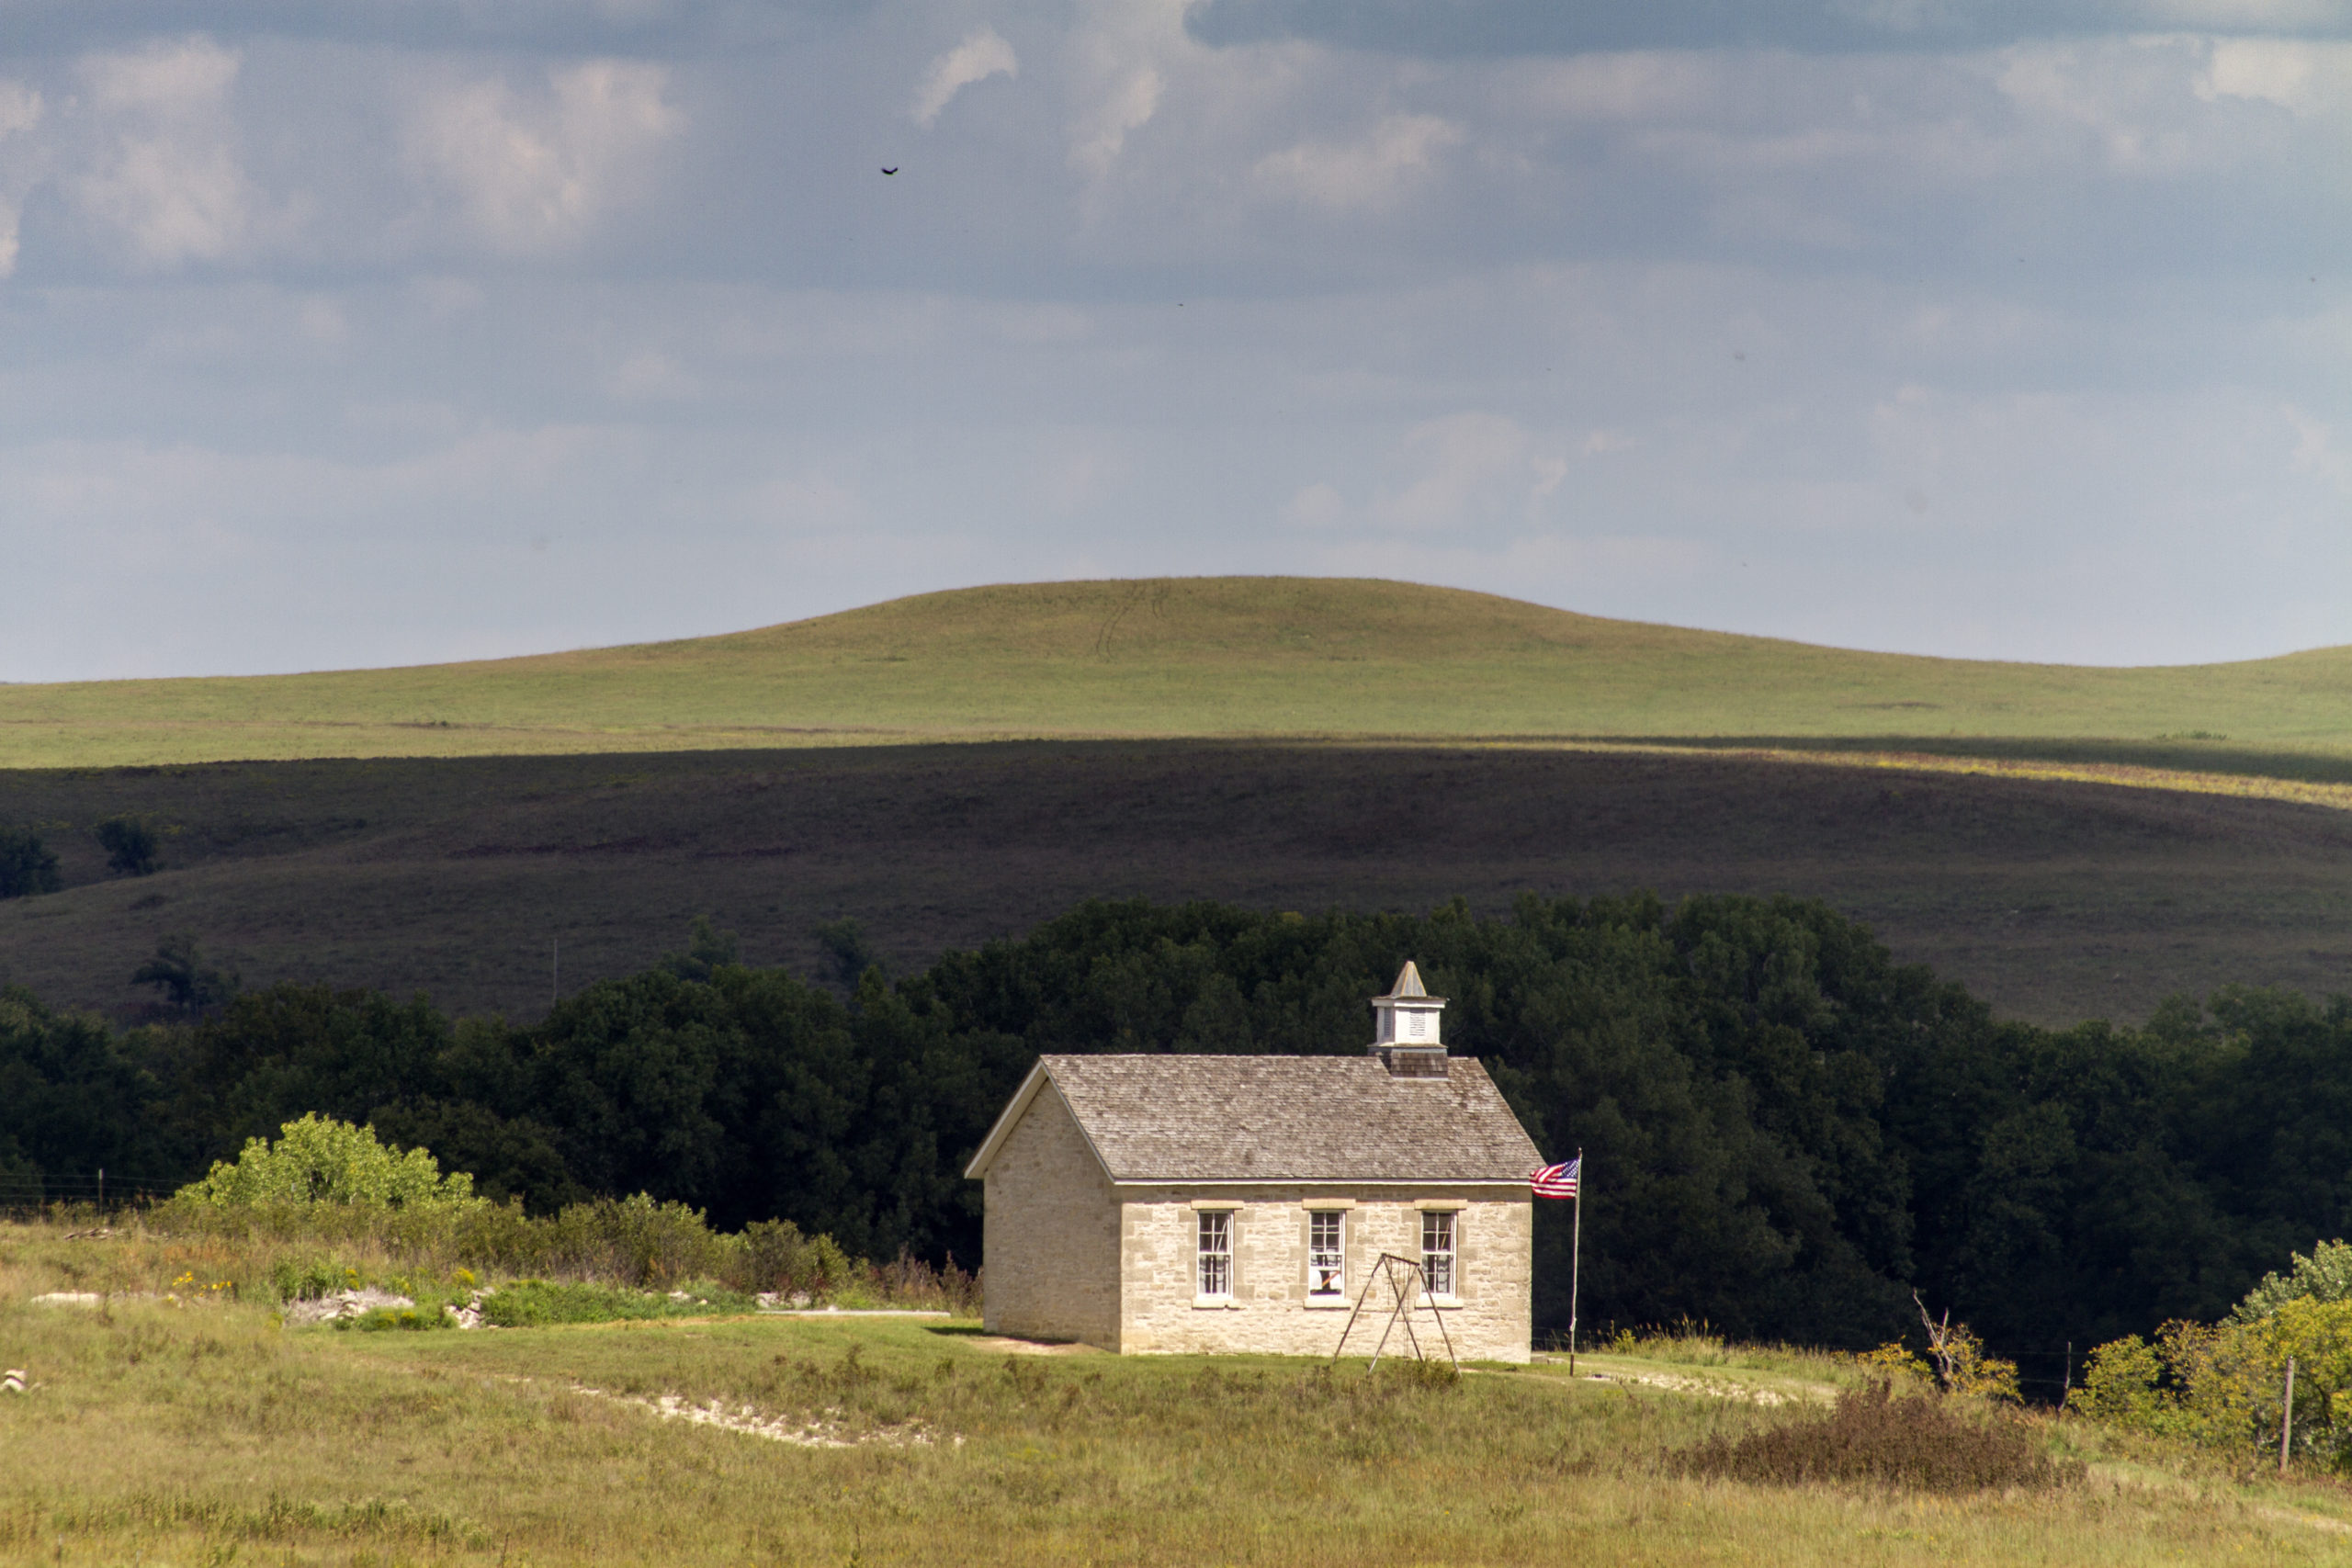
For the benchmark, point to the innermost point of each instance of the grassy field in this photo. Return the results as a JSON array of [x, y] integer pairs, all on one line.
[[2055, 901], [199, 1431], [1226, 657], [2070, 843]]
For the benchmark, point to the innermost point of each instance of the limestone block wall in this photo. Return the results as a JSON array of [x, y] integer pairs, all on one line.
[[1051, 1232], [1269, 1311]]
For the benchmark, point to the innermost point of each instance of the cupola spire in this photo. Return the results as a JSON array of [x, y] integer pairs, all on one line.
[[1406, 1034]]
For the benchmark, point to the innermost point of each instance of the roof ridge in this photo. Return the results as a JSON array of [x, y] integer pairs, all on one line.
[[1215, 1117]]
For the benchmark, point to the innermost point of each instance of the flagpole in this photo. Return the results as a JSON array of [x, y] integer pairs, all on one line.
[[1576, 1263]]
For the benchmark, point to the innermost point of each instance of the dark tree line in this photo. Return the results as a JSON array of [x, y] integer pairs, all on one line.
[[1785, 1131]]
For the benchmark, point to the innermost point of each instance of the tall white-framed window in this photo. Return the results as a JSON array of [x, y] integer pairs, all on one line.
[[1438, 1251], [1326, 1254], [1215, 1275]]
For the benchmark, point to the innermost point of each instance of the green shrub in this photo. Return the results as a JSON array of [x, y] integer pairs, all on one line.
[[2118, 1384], [636, 1241], [1962, 1365], [27, 866], [2221, 1384], [908, 1282], [132, 843], [320, 1160], [774, 1255], [708, 949], [536, 1303], [408, 1319], [328, 1181], [188, 983], [304, 1280], [2324, 1276], [1927, 1444]]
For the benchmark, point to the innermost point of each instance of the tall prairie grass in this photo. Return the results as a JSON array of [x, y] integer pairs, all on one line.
[[201, 1430], [270, 1253]]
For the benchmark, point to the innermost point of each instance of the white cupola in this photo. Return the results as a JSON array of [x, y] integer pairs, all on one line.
[[1407, 1018]]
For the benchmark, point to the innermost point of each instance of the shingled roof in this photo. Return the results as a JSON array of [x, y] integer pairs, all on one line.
[[1334, 1119]]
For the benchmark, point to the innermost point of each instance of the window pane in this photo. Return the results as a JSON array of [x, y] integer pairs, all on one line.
[[1437, 1252], [1326, 1261], [1216, 1254]]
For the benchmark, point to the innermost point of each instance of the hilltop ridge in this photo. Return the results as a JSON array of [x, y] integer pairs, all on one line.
[[1309, 657]]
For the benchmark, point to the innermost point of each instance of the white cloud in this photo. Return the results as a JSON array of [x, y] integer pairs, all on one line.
[[1372, 171], [1593, 574], [1646, 85], [1119, 66], [650, 376], [1079, 473], [1101, 132], [180, 81], [536, 173], [2316, 453], [165, 176], [20, 112], [2304, 77], [442, 299], [806, 501], [1319, 505], [1473, 467], [980, 56], [21, 108], [1612, 262], [323, 321], [2163, 106], [2248, 15]]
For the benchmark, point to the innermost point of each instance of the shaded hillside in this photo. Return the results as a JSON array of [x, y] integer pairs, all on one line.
[[2054, 901]]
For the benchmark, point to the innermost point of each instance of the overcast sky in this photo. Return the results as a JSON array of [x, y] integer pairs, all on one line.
[[394, 331]]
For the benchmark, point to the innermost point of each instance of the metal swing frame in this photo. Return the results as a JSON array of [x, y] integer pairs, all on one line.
[[1407, 1288]]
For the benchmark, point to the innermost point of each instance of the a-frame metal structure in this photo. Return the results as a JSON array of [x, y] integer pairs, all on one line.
[[1407, 1289]]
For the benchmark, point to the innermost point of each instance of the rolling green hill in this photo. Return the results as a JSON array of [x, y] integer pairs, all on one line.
[[1223, 657]]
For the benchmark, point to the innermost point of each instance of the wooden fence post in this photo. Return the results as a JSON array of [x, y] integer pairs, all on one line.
[[2287, 1418]]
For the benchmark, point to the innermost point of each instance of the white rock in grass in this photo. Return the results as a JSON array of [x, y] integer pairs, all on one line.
[[342, 1304]]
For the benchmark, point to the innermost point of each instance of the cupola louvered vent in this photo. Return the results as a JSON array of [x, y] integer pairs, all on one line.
[[1407, 1034]]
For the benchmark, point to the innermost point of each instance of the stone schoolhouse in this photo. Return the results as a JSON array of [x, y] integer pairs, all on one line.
[[1236, 1203]]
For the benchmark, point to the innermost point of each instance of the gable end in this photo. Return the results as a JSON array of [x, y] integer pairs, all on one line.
[[1018, 1107]]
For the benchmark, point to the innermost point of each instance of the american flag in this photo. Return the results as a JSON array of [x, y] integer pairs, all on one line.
[[1557, 1181]]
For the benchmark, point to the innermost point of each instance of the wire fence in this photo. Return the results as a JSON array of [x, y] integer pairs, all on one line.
[[2055, 1371], [2046, 1374], [27, 1192]]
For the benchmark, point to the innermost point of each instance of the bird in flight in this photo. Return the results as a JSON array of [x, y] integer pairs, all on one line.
[[889, 171]]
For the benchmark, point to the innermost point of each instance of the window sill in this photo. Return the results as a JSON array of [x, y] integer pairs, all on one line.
[[1216, 1303], [1328, 1303], [1445, 1302]]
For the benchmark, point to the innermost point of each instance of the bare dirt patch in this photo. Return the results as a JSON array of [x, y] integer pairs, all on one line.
[[1030, 1346], [824, 1430]]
